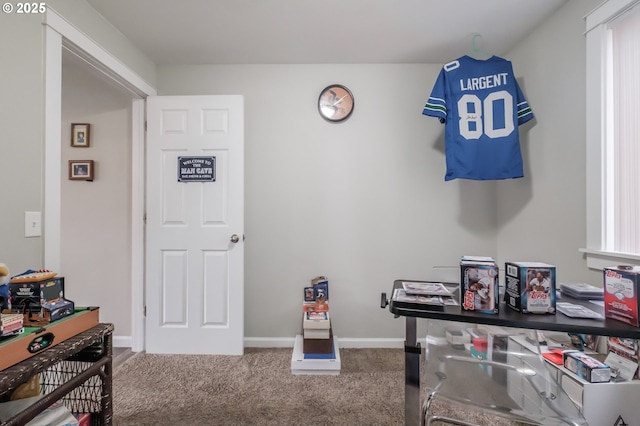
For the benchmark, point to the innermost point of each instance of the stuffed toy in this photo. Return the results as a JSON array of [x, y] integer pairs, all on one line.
[[4, 287]]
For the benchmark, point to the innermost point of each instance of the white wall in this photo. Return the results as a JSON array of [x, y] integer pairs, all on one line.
[[363, 202], [21, 129], [542, 217], [96, 230], [22, 121], [87, 20]]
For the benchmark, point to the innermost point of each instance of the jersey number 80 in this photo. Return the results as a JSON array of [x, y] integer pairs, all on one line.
[[477, 117]]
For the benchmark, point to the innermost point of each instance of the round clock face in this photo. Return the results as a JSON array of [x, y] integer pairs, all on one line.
[[335, 103]]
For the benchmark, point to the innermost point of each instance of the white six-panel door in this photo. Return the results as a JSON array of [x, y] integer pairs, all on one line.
[[194, 234]]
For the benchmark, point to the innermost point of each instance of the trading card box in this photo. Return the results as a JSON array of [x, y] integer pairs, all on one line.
[[479, 282], [31, 296], [320, 286], [586, 367], [621, 286], [530, 287]]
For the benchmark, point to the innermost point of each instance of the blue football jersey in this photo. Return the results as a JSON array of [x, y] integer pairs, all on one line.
[[482, 106]]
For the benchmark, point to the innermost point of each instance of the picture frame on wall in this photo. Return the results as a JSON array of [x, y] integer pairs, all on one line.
[[80, 135], [81, 170]]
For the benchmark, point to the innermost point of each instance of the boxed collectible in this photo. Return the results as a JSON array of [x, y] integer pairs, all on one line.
[[479, 282], [530, 287], [320, 287], [31, 296], [621, 284], [586, 367], [626, 353]]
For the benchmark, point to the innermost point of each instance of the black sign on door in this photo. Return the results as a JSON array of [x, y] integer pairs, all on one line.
[[196, 169]]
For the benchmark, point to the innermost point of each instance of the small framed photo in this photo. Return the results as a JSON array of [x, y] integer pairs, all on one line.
[[80, 133], [80, 169]]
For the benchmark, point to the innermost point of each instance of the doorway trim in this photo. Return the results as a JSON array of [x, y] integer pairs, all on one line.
[[61, 34]]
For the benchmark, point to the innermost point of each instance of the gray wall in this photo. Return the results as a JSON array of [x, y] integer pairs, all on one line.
[[363, 202], [22, 121], [21, 132], [21, 174], [85, 18], [542, 217], [96, 216]]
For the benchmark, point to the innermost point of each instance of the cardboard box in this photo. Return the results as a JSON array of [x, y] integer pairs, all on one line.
[[33, 295], [621, 286], [316, 320], [315, 364], [479, 282], [586, 367], [318, 346], [530, 287]]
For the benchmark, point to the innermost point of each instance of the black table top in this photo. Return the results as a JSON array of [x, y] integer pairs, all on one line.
[[508, 317]]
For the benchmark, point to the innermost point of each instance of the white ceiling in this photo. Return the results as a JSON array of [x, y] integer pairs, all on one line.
[[321, 31]]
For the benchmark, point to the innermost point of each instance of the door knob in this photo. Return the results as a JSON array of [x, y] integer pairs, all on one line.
[[235, 238]]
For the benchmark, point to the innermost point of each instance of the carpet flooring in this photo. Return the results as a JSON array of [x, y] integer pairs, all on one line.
[[259, 389]]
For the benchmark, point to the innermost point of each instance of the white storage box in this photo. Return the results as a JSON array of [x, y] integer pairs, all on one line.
[[314, 366]]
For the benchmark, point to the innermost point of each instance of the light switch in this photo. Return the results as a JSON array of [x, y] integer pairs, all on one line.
[[32, 224]]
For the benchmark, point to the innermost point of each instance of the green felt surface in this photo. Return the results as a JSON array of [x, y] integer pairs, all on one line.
[[30, 330]]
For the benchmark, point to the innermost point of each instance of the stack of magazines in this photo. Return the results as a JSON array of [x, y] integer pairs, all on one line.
[[582, 291], [423, 293]]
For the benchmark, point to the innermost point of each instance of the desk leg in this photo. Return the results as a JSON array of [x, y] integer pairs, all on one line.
[[412, 355]]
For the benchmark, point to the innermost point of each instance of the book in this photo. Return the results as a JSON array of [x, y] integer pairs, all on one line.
[[425, 288]]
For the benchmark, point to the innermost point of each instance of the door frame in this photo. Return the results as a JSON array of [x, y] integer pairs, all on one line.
[[59, 35]]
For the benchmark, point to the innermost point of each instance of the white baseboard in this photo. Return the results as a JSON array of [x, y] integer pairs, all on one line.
[[344, 342], [122, 341], [288, 342]]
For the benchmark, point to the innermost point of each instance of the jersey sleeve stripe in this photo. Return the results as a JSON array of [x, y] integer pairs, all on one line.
[[435, 107], [524, 113]]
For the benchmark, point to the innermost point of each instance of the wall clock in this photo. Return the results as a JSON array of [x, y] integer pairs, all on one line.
[[335, 103]]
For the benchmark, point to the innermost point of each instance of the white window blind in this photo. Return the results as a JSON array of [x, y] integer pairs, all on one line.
[[613, 134], [623, 139]]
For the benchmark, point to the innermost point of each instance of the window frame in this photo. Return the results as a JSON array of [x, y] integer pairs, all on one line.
[[597, 90]]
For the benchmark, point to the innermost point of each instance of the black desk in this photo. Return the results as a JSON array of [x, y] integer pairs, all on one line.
[[77, 371], [507, 317]]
